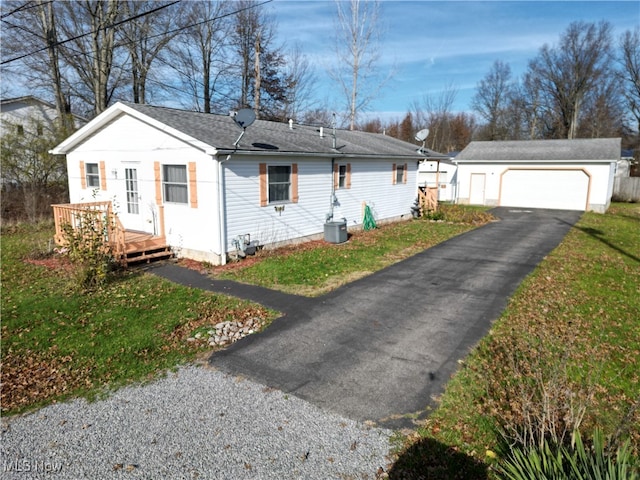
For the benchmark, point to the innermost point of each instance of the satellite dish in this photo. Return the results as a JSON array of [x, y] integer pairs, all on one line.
[[244, 117], [422, 135]]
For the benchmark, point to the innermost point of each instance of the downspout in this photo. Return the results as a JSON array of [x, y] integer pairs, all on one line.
[[220, 214], [329, 216]]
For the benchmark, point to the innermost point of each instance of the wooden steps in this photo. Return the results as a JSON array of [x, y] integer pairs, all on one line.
[[144, 247], [147, 255]]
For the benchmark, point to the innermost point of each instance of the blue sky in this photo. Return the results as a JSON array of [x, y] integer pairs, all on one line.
[[435, 44]]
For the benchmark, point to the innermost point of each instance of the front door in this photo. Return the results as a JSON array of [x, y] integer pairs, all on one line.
[[131, 212]]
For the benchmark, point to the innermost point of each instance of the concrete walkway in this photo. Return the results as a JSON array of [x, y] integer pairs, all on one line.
[[382, 347]]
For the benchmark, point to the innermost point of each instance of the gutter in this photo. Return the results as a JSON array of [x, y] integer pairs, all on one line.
[[329, 155]]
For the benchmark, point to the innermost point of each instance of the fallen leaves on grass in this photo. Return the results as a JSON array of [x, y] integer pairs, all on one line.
[[31, 377]]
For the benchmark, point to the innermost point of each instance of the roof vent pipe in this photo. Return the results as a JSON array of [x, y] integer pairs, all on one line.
[[290, 124], [321, 132]]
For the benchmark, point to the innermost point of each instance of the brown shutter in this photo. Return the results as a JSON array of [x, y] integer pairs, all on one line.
[[404, 174], [193, 189], [294, 183], [336, 176], [158, 182], [348, 175], [263, 184], [83, 176], [103, 176], [394, 174]]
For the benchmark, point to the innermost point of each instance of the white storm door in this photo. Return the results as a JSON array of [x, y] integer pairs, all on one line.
[[131, 211], [477, 186]]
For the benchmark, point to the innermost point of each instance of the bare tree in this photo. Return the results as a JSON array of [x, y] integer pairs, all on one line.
[[602, 114], [30, 32], [435, 113], [492, 96], [29, 168], [92, 56], [629, 73], [302, 84], [264, 84], [567, 73], [357, 47], [198, 53], [145, 38]]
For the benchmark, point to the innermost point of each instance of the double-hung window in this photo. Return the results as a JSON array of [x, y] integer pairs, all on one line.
[[279, 177], [174, 183], [399, 174], [92, 175], [342, 176], [278, 184]]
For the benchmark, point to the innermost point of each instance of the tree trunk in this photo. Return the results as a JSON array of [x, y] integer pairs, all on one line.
[[256, 72], [49, 25]]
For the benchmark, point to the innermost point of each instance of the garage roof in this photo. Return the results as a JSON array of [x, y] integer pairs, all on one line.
[[578, 150]]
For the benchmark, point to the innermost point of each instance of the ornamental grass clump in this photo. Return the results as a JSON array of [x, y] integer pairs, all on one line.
[[595, 460]]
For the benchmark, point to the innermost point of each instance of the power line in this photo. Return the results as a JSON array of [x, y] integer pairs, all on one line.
[[160, 59], [62, 42], [25, 6]]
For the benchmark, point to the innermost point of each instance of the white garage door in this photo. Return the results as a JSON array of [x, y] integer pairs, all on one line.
[[537, 188]]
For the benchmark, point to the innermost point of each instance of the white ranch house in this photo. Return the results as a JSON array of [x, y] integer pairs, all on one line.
[[556, 174], [195, 182]]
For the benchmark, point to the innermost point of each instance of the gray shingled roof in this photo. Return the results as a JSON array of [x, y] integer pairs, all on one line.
[[596, 149], [220, 132]]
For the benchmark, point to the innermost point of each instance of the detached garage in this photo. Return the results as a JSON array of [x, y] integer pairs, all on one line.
[[555, 174]]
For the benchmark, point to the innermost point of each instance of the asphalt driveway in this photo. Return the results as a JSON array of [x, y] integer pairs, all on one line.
[[381, 348]]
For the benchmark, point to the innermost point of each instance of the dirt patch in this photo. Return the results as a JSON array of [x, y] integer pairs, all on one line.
[[52, 263]]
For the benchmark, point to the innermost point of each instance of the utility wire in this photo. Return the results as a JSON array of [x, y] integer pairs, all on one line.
[[25, 6], [133, 18], [159, 58], [62, 42]]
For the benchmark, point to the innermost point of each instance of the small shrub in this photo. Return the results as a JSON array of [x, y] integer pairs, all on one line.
[[89, 252], [465, 214], [434, 215], [576, 461]]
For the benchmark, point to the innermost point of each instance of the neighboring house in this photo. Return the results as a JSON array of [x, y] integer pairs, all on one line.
[[440, 171], [557, 174], [626, 184], [203, 184], [29, 114]]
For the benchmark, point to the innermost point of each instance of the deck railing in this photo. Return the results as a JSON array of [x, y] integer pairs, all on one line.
[[98, 216], [428, 198]]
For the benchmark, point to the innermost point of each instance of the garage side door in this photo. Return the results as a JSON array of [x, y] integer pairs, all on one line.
[[545, 188]]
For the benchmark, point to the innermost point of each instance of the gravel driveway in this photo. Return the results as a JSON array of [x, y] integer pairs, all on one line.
[[194, 423]]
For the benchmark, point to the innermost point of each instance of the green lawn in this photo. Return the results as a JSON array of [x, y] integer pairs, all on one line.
[[58, 342], [317, 267]]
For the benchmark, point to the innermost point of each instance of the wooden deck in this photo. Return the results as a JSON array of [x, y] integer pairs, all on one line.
[[126, 246]]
